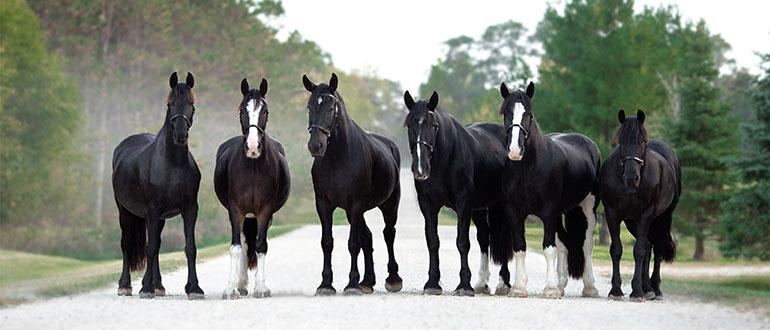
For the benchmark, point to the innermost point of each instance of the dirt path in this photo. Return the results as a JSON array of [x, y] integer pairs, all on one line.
[[293, 270]]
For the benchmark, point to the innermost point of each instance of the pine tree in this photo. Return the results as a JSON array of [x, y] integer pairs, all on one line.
[[746, 221], [704, 137]]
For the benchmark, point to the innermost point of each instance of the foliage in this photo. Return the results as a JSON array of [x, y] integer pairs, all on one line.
[[39, 117], [704, 136], [746, 221]]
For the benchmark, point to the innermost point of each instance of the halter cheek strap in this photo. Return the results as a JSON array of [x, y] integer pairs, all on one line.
[[327, 131]]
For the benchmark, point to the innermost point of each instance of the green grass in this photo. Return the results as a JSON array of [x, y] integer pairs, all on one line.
[[743, 292], [27, 276]]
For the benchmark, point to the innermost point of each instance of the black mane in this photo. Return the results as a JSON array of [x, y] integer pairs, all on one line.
[[631, 132], [181, 89]]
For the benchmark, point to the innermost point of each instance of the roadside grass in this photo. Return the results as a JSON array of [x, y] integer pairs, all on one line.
[[745, 292], [27, 276]]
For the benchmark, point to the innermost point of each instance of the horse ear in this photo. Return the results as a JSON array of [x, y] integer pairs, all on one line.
[[621, 116], [433, 103], [504, 92], [263, 87], [309, 86], [190, 81], [640, 116], [408, 100], [244, 87], [333, 83], [173, 80], [531, 90]]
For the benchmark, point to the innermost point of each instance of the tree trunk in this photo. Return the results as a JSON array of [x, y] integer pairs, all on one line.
[[604, 233], [698, 254]]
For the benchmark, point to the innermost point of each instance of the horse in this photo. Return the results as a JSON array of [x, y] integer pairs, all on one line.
[[459, 167], [356, 171], [550, 176], [154, 177], [640, 184], [251, 180]]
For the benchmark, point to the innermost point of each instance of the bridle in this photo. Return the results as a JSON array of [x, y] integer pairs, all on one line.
[[327, 131], [428, 145], [187, 120], [267, 113], [526, 133], [634, 158]]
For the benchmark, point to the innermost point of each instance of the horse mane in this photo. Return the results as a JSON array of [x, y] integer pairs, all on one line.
[[418, 112], [179, 90], [631, 132]]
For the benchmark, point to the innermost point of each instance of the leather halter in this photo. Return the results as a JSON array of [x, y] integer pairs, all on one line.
[[186, 119], [327, 131], [634, 158]]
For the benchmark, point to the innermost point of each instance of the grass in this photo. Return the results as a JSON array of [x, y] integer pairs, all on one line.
[[747, 292], [27, 276]]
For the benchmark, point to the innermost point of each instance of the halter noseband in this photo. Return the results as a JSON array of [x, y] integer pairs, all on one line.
[[512, 125], [634, 158], [327, 131], [186, 119]]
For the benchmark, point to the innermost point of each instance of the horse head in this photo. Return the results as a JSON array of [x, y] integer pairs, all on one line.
[[323, 108], [253, 113], [517, 118], [181, 107], [422, 126]]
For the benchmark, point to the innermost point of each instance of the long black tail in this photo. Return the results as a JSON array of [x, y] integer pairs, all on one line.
[[575, 224], [663, 244], [250, 231], [500, 235], [134, 242]]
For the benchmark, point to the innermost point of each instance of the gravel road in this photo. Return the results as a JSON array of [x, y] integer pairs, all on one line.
[[293, 271]]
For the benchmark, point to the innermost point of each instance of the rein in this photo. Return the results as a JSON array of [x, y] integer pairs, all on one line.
[[327, 131]]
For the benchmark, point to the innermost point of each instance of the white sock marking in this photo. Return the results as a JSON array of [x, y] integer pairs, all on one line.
[[260, 276], [520, 279], [483, 271], [236, 262], [551, 281], [561, 264], [588, 245]]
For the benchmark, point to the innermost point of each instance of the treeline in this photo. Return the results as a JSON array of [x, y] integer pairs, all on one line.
[[116, 57], [601, 56]]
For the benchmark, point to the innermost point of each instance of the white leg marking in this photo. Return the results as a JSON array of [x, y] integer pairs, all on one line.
[[551, 281], [589, 288], [483, 272], [519, 288], [260, 289], [236, 260], [561, 267], [500, 283], [244, 268]]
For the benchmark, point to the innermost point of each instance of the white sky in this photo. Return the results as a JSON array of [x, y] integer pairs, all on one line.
[[400, 40]]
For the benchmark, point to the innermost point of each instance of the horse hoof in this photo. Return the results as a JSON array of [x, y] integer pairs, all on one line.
[[146, 295], [124, 292], [615, 297], [432, 291], [649, 295], [230, 295], [482, 289], [160, 292], [243, 291], [463, 292], [591, 292], [658, 297], [195, 296], [325, 292], [502, 290], [263, 294], [518, 292], [636, 299], [394, 286], [365, 289], [551, 293], [352, 291]]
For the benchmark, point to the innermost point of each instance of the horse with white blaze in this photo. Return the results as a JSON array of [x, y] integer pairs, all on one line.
[[252, 182], [550, 176]]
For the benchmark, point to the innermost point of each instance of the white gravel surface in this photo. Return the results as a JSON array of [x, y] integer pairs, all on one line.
[[293, 271]]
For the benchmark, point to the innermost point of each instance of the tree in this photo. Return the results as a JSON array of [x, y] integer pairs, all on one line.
[[746, 219], [39, 116], [704, 136]]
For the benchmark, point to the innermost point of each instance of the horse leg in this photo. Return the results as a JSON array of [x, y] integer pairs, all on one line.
[[616, 251], [550, 221], [561, 261], [263, 224], [189, 217], [237, 253], [157, 282], [324, 211], [389, 211], [482, 236], [589, 282], [641, 256], [519, 288], [355, 218], [133, 242], [430, 213], [649, 293], [655, 279], [367, 284], [463, 246], [153, 245]]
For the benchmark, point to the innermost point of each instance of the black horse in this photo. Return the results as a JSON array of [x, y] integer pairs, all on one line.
[[154, 178], [459, 167], [550, 175], [640, 184], [251, 180], [356, 171]]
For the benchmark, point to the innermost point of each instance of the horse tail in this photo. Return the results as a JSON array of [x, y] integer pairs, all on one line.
[[250, 231], [134, 239], [575, 225], [664, 245], [500, 236]]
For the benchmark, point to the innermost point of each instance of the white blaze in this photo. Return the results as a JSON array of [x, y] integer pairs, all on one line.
[[419, 138], [514, 152], [253, 140]]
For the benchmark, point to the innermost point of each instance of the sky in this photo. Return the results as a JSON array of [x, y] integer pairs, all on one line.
[[400, 40]]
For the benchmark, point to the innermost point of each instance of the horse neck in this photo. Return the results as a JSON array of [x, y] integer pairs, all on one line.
[[448, 128], [536, 146], [342, 134], [164, 143]]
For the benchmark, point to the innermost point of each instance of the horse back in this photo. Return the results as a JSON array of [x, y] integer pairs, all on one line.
[[488, 150], [580, 165]]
